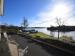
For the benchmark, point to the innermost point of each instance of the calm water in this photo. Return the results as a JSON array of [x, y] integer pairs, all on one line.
[[44, 30]]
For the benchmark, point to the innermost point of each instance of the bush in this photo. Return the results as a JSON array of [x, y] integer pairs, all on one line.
[[66, 38]]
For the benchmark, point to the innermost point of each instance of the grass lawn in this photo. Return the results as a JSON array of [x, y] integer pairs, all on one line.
[[40, 35], [45, 36]]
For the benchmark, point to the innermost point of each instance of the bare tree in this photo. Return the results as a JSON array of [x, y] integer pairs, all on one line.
[[59, 23]]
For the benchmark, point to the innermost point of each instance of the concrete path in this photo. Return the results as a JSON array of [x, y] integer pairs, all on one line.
[[27, 48], [13, 49], [12, 46]]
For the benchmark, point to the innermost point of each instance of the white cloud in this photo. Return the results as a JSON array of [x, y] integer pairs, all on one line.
[[60, 10]]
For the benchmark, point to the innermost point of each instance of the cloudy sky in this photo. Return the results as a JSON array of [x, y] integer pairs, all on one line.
[[42, 13]]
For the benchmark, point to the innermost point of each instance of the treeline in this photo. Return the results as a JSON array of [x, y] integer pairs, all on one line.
[[62, 28], [11, 28]]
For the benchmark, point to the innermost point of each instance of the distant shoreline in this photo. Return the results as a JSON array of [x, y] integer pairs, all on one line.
[[62, 28]]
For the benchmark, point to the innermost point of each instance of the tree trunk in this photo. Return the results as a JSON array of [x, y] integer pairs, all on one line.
[[58, 33]]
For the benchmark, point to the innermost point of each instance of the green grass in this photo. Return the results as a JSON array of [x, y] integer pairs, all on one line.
[[40, 35], [45, 36]]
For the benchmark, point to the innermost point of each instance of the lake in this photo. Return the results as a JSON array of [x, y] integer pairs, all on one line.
[[55, 34]]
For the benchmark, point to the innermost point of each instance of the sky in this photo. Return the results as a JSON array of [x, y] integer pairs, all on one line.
[[39, 13]]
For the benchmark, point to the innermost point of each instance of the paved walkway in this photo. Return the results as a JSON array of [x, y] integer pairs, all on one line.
[[12, 46], [27, 48], [13, 49]]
